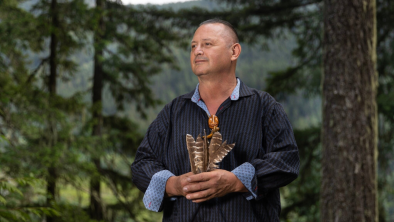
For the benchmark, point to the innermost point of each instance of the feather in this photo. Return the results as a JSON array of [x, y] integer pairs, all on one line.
[[216, 141], [199, 155], [205, 153], [190, 144], [218, 152], [195, 149], [196, 153]]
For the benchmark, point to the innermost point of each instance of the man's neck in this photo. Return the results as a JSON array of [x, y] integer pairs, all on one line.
[[214, 91]]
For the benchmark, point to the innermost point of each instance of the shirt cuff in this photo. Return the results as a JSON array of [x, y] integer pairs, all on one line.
[[245, 174], [155, 193]]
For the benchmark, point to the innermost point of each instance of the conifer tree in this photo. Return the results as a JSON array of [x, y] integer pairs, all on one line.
[[57, 20], [38, 119], [349, 138], [95, 208], [130, 46]]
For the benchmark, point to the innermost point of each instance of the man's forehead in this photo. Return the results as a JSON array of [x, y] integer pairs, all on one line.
[[209, 32]]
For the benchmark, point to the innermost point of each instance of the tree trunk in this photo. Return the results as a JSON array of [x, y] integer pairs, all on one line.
[[349, 136], [96, 208], [52, 172]]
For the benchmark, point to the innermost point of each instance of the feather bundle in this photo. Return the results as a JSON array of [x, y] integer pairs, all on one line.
[[204, 159]]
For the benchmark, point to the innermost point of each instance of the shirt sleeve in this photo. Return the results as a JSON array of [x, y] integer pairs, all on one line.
[[245, 174], [155, 193], [280, 162], [149, 174]]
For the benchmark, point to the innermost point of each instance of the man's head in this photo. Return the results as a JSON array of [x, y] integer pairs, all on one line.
[[214, 48]]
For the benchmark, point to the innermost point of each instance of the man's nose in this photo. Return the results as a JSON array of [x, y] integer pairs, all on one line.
[[198, 50]]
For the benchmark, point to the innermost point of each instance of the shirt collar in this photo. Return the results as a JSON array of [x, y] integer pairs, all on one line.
[[244, 91], [234, 95]]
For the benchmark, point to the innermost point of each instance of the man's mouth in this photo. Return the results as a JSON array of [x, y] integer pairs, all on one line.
[[200, 61]]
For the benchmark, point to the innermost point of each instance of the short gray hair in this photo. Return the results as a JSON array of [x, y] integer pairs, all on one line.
[[226, 23]]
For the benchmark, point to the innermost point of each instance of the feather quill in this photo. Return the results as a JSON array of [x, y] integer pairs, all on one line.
[[199, 155], [205, 153]]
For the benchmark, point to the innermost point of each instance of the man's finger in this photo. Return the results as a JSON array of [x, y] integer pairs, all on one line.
[[184, 180], [199, 177], [195, 187], [186, 175], [205, 194]]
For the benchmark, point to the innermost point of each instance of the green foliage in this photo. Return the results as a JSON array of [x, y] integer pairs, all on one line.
[[135, 45], [12, 208]]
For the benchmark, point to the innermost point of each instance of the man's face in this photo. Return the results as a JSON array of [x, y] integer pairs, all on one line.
[[210, 52]]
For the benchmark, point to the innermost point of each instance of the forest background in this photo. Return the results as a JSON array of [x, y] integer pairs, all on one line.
[[80, 82]]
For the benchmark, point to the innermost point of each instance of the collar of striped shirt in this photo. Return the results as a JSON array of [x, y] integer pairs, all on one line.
[[235, 95]]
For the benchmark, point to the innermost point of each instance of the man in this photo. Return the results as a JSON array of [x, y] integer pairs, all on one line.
[[265, 156]]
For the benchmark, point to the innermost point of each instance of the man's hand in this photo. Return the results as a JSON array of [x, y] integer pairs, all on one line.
[[208, 185], [175, 184]]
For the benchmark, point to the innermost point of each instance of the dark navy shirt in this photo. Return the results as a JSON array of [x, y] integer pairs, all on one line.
[[263, 138], [154, 195]]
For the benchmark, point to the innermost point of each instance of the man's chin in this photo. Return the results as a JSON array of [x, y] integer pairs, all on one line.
[[200, 74]]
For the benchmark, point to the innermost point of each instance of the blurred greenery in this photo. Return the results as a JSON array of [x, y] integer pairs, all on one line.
[[281, 54]]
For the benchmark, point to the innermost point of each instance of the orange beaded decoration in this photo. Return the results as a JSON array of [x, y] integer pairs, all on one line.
[[213, 123]]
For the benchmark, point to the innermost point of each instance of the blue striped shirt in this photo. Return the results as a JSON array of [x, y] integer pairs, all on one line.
[[264, 158]]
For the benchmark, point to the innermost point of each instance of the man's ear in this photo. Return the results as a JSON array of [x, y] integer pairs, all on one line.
[[236, 51]]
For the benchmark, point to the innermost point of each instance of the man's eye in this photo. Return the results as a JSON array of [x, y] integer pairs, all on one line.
[[207, 43], [193, 46]]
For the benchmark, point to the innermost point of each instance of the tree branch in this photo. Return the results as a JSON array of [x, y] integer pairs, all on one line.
[[36, 70]]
